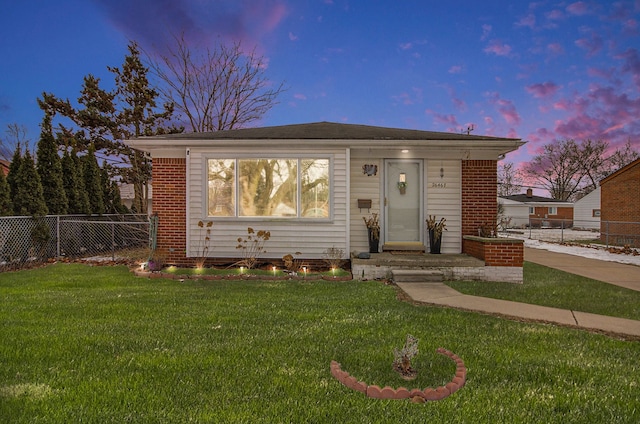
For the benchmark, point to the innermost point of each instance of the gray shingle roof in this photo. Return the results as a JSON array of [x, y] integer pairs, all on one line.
[[329, 131]]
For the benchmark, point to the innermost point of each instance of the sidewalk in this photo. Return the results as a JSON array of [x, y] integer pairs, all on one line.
[[620, 274]]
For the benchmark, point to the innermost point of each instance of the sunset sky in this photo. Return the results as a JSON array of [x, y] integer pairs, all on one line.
[[539, 70]]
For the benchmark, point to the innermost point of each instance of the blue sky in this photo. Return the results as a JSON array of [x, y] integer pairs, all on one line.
[[539, 70]]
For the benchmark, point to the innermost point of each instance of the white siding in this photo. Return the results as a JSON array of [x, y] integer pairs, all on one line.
[[310, 238], [363, 187], [443, 199], [583, 211], [515, 212]]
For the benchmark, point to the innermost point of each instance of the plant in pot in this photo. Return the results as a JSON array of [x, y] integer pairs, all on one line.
[[435, 229], [373, 227]]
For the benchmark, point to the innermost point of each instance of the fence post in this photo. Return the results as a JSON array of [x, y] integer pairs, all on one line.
[[562, 231], [113, 241], [57, 236], [530, 225]]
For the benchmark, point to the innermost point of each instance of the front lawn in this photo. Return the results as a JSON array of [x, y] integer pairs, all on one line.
[[551, 287], [99, 345]]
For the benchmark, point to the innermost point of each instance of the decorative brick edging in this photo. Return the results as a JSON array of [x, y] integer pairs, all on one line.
[[428, 394]]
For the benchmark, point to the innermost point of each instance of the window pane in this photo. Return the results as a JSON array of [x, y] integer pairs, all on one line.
[[314, 177], [221, 182], [268, 187]]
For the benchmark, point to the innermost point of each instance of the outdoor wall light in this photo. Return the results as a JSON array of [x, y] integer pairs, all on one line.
[[402, 183]]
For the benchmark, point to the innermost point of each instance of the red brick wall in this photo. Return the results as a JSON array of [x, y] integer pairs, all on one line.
[[620, 203], [620, 196], [496, 252], [479, 196], [170, 203]]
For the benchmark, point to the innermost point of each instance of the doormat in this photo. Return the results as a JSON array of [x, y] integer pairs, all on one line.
[[407, 252]]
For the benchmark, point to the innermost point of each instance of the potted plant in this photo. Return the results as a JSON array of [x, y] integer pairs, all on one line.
[[373, 227], [435, 229]]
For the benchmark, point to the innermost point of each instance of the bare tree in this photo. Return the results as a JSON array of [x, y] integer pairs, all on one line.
[[569, 170], [218, 89], [557, 169], [622, 157], [16, 135], [509, 179]]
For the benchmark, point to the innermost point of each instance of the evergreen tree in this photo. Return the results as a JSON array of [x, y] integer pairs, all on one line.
[[14, 169], [93, 182], [6, 207], [50, 171], [28, 198], [77, 198]]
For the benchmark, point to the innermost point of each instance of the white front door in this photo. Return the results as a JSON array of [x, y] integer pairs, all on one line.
[[403, 205]]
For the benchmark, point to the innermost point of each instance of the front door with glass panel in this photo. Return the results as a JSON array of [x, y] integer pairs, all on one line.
[[403, 201]]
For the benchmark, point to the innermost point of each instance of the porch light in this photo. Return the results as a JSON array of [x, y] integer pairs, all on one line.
[[405, 150]]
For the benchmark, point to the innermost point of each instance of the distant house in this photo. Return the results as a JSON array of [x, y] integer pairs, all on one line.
[[620, 206], [586, 211], [4, 167], [522, 210], [127, 196]]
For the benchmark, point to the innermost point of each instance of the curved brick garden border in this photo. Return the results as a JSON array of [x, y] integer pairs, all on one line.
[[417, 395]]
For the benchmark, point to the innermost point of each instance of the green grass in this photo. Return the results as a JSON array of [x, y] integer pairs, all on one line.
[[98, 345], [551, 287]]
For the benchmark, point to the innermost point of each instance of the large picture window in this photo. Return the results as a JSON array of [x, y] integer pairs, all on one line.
[[278, 187]]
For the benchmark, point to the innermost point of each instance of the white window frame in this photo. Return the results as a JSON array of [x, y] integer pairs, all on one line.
[[298, 217], [552, 210]]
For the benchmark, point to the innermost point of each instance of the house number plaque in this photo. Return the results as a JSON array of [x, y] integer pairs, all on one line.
[[438, 185]]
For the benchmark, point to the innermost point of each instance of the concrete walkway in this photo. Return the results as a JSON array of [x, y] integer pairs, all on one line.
[[620, 274]]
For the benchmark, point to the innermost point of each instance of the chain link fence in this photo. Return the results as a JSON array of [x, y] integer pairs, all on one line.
[[609, 233], [25, 239]]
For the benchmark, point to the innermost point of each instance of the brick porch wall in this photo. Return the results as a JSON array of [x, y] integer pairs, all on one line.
[[480, 208], [169, 202]]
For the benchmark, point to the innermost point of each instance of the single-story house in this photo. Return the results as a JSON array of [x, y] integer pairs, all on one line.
[[620, 206], [522, 210], [586, 211], [311, 185]]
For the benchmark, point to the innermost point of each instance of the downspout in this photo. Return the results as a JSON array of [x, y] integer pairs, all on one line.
[[187, 201]]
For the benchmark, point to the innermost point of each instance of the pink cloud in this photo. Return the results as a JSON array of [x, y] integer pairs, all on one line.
[[554, 15], [543, 90], [527, 21], [153, 23], [300, 96], [592, 45], [631, 64], [578, 8], [406, 46], [506, 108], [292, 36], [455, 69], [443, 119], [555, 48], [498, 48], [486, 31], [409, 98]]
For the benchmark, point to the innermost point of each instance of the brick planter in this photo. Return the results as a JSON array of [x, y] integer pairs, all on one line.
[[495, 251], [416, 395]]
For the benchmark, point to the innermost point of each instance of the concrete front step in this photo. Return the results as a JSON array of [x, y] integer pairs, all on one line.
[[417, 276]]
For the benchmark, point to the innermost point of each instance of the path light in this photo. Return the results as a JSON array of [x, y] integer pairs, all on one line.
[[241, 270], [274, 271], [333, 271], [304, 270]]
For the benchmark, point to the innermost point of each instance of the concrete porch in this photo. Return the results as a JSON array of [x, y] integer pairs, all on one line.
[[416, 266]]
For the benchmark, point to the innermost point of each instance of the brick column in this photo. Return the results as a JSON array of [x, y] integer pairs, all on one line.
[[170, 203], [479, 195]]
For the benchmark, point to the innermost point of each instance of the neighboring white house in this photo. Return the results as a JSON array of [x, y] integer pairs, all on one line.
[[586, 211], [127, 196], [522, 210]]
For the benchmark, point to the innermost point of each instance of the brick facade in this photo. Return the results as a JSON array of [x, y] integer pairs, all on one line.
[[479, 195], [620, 204], [170, 203]]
